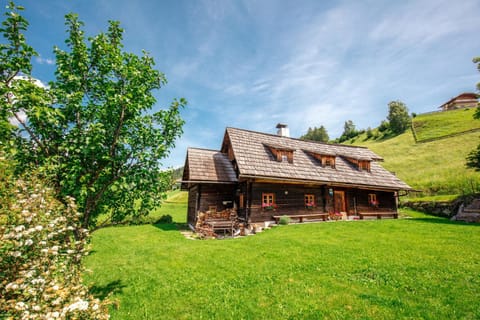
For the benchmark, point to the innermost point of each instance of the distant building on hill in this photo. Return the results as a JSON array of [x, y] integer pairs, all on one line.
[[464, 100]]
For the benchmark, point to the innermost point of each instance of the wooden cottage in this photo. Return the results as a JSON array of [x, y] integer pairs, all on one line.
[[464, 100], [264, 176]]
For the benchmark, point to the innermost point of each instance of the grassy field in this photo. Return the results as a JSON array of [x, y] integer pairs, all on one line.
[[421, 267], [437, 167], [441, 124]]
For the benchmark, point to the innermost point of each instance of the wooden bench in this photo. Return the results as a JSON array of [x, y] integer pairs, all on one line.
[[225, 225], [300, 217], [208, 223], [379, 215]]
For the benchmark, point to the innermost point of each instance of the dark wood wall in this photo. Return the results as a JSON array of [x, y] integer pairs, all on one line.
[[358, 200], [203, 196], [289, 198], [192, 204]]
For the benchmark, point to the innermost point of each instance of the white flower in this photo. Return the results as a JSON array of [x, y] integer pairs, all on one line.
[[38, 281], [29, 242], [81, 305], [19, 228], [39, 228], [9, 235], [20, 305], [11, 286], [36, 308], [16, 254]]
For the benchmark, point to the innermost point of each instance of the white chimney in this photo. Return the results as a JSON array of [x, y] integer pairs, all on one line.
[[283, 130]]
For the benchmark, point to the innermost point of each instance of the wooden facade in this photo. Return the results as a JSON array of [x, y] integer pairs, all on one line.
[[262, 176], [464, 100]]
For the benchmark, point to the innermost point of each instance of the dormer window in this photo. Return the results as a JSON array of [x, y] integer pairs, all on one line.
[[364, 165], [360, 164], [280, 153], [326, 160]]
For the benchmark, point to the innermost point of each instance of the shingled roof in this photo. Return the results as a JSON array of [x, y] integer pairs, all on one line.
[[254, 159], [206, 166]]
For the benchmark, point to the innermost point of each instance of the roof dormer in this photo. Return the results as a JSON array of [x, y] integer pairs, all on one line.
[[281, 153], [362, 164], [326, 159]]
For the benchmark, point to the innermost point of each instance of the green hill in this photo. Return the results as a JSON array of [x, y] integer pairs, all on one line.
[[439, 125], [435, 164]]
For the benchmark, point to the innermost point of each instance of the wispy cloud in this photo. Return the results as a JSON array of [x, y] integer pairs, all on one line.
[[251, 64]]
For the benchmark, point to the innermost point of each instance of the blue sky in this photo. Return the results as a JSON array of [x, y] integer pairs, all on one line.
[[252, 64]]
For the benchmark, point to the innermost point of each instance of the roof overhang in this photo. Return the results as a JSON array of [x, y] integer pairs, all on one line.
[[320, 182], [186, 184]]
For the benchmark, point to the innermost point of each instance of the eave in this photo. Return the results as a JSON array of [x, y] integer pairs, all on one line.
[[319, 182]]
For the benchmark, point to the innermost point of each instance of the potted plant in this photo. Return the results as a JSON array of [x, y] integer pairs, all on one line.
[[310, 205]]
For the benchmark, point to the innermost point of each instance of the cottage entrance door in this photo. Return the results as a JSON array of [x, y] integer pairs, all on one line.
[[339, 201]]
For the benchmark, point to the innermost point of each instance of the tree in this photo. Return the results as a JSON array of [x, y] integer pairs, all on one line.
[[349, 131], [398, 117], [92, 133], [316, 134], [473, 159]]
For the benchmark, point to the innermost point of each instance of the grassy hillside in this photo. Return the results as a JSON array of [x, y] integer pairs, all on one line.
[[436, 167], [387, 269], [441, 124]]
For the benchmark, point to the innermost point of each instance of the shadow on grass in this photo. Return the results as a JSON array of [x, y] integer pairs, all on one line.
[[101, 292], [169, 226]]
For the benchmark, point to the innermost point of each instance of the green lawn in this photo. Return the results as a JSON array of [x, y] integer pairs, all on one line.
[[421, 267]]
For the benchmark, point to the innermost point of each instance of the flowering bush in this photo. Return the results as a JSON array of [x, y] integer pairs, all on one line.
[[310, 205], [41, 247], [269, 206]]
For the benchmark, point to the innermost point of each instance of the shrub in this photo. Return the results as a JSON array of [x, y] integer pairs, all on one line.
[[284, 220], [369, 133], [384, 126], [41, 247], [164, 219]]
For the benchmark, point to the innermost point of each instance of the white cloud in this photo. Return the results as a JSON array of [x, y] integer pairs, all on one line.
[[20, 117], [47, 61]]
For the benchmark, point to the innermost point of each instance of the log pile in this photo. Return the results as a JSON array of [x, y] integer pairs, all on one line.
[[209, 223]]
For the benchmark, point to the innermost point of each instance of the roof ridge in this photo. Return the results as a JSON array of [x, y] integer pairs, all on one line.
[[298, 139], [204, 149]]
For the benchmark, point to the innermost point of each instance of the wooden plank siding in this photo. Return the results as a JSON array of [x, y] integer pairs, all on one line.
[[357, 201], [203, 196], [289, 199], [293, 203]]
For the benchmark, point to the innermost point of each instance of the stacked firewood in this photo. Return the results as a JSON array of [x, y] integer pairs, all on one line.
[[205, 230]]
